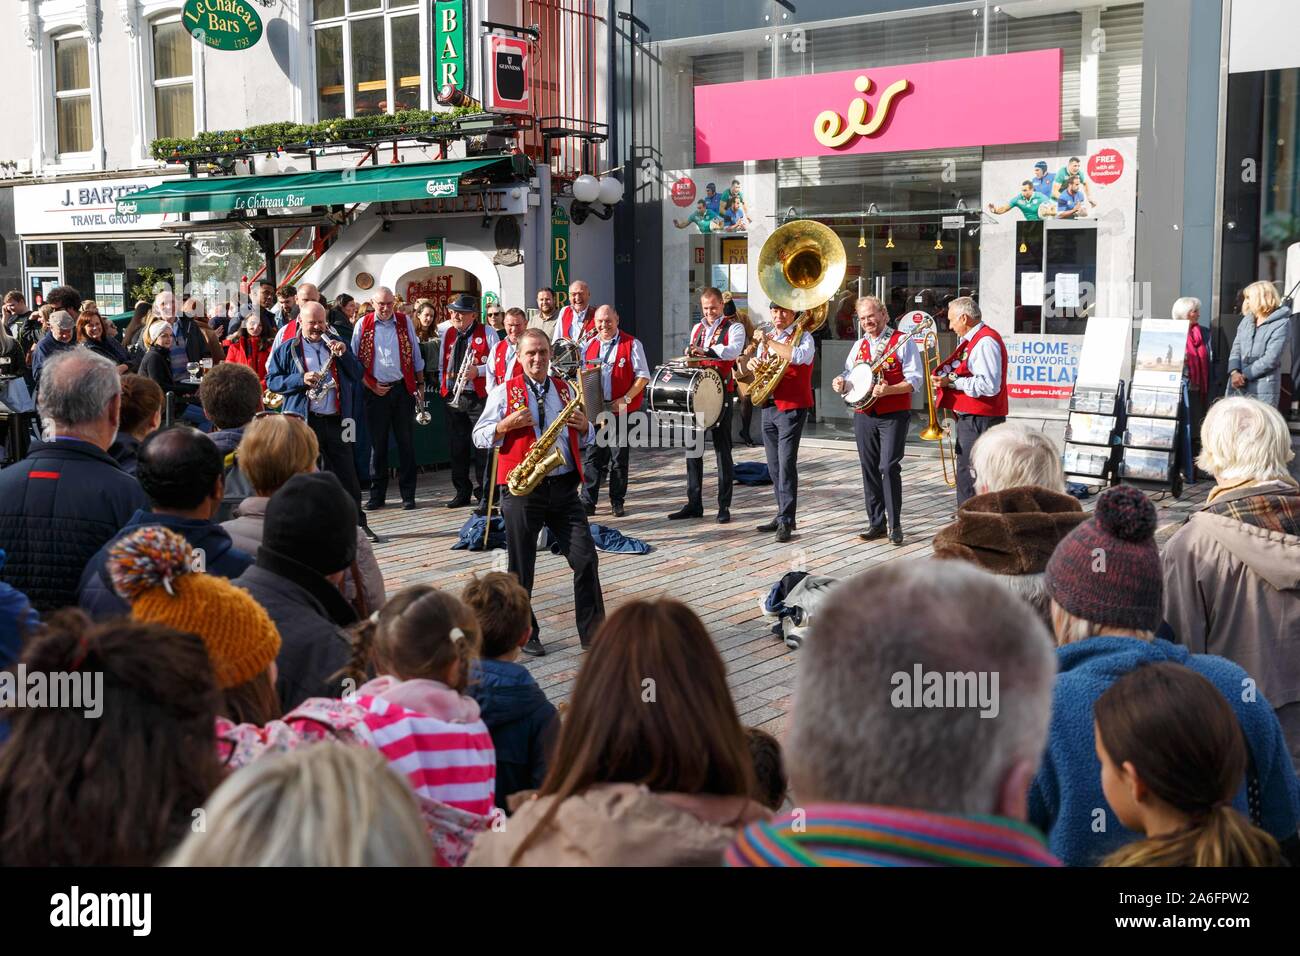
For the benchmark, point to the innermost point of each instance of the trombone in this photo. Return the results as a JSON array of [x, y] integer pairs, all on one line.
[[933, 431]]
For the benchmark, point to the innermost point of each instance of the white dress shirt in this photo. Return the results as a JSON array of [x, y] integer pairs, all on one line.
[[388, 360], [729, 346], [491, 367], [985, 361], [607, 357], [801, 354], [908, 354], [485, 431]]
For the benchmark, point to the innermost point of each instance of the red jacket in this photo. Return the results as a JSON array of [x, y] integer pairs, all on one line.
[[517, 442], [622, 375], [959, 364], [891, 374], [250, 351]]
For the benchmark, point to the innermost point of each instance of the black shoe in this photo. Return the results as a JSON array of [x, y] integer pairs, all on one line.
[[873, 533], [534, 648], [687, 512], [478, 494], [896, 536], [373, 505], [408, 505], [783, 533], [724, 516], [589, 507], [618, 511], [769, 526], [459, 502]]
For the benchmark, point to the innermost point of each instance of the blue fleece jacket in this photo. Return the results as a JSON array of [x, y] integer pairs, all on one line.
[[95, 593], [1066, 800], [520, 719]]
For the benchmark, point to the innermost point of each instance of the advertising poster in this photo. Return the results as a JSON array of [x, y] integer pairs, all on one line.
[[1160, 353], [1042, 366]]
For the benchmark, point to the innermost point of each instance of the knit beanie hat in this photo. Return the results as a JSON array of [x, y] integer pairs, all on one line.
[[313, 521], [1108, 569], [152, 570]]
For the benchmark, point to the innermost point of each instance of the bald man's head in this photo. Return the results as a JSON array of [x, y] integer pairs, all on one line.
[[307, 292], [312, 320]]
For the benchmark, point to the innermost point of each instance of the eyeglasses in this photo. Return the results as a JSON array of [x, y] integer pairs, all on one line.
[[264, 414]]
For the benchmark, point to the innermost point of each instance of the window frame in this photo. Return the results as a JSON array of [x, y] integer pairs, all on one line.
[[389, 15], [71, 156], [145, 38]]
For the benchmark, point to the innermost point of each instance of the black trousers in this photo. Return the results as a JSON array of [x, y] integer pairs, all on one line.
[[460, 439], [881, 440], [554, 504], [721, 435], [335, 454], [598, 459], [395, 413], [969, 428], [781, 434]]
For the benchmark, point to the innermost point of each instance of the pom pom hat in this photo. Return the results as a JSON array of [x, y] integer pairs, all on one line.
[[1108, 570], [152, 569]]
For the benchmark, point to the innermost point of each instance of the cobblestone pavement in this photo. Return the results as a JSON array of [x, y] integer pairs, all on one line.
[[722, 571]]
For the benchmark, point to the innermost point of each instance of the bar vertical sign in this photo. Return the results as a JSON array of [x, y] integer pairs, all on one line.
[[437, 252], [560, 253], [449, 43]]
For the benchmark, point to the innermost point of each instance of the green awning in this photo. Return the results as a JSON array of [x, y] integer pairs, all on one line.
[[401, 181]]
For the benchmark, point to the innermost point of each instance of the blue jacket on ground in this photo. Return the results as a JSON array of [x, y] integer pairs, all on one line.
[[522, 722], [284, 376], [1066, 795], [95, 593]]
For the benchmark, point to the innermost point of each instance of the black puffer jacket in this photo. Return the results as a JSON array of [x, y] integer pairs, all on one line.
[[58, 506]]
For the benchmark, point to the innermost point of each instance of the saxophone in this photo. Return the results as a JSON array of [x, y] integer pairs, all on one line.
[[544, 457]]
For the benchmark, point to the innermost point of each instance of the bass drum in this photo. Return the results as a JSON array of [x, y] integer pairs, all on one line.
[[692, 396]]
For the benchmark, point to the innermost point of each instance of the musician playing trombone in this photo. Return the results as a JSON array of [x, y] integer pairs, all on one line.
[[785, 415], [393, 369], [881, 430], [320, 380], [517, 414]]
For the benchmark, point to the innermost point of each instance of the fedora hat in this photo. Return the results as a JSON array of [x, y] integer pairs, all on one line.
[[463, 303]]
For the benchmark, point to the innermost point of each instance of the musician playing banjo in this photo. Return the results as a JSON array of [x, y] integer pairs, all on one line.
[[716, 342], [463, 358], [785, 415], [881, 430], [312, 362], [517, 413]]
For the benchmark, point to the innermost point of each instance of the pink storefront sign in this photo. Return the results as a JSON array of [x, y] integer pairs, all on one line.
[[978, 101]]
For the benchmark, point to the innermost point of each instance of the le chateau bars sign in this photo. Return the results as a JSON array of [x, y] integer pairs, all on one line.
[[223, 24], [979, 101]]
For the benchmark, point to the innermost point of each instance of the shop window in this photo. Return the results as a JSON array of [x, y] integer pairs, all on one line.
[[42, 255], [173, 80], [72, 95], [367, 57]]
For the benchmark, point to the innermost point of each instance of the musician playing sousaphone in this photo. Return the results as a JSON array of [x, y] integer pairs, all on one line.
[[463, 368], [393, 369], [881, 429], [785, 415], [320, 380], [517, 414]]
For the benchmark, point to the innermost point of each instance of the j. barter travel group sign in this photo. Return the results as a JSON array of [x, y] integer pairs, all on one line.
[[222, 24]]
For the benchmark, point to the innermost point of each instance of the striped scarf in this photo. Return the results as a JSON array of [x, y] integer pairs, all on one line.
[[852, 835]]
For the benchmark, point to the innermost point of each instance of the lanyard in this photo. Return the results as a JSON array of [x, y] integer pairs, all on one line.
[[607, 350]]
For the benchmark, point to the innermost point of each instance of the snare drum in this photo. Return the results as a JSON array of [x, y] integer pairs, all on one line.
[[693, 396]]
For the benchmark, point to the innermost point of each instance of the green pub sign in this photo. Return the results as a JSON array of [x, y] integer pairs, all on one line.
[[449, 43], [437, 250], [222, 24], [560, 253]]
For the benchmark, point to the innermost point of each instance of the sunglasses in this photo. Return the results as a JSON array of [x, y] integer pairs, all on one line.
[[265, 414]]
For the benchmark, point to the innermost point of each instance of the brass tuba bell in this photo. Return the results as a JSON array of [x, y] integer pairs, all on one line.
[[800, 266]]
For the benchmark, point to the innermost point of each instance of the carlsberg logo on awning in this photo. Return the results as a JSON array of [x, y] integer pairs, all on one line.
[[442, 187], [222, 24]]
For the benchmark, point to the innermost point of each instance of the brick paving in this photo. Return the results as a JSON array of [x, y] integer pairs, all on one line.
[[722, 571]]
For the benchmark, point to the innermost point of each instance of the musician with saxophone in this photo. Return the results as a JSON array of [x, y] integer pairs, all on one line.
[[523, 416], [785, 414], [320, 380], [881, 428], [463, 381]]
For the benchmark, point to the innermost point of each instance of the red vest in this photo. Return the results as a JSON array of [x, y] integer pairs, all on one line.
[[566, 323], [479, 344], [366, 350], [795, 388], [518, 441], [499, 363], [721, 334], [958, 363], [892, 374], [621, 375]]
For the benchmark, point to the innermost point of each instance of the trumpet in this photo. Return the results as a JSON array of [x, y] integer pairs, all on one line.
[[422, 416], [462, 375]]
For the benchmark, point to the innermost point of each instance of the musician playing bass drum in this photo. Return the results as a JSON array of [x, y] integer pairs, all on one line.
[[785, 414], [881, 430], [517, 413], [717, 342]]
